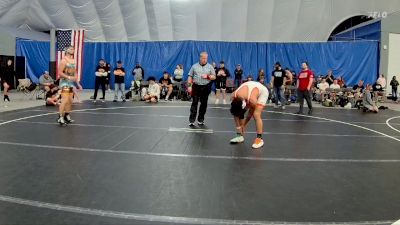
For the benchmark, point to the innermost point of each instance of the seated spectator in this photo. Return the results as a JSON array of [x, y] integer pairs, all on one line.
[[329, 77], [152, 93], [335, 85], [381, 81], [178, 73], [261, 77], [341, 82], [249, 78], [321, 92], [358, 92], [368, 103], [53, 96], [165, 86], [46, 82]]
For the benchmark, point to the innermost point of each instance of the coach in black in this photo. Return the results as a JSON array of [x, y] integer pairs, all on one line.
[[199, 85]]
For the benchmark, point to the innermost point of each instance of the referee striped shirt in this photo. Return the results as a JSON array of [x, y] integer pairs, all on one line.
[[197, 70]]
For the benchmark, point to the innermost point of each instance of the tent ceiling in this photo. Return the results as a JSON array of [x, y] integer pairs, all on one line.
[[221, 20]]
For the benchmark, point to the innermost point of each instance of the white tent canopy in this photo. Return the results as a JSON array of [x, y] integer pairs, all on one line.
[[220, 20]]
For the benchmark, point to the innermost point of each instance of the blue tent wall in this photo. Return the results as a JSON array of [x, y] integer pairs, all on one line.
[[354, 60]]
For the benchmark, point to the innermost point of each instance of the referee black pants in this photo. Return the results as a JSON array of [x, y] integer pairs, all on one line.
[[199, 93]]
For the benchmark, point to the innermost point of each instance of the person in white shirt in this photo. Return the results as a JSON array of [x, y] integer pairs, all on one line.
[[178, 73], [381, 81], [322, 89], [335, 85], [152, 93]]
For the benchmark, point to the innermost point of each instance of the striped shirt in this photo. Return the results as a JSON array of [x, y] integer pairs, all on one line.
[[197, 70]]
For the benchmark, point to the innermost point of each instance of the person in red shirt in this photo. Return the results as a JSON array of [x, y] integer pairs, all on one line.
[[305, 80]]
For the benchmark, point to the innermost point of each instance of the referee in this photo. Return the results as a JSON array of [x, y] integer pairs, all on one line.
[[199, 85]]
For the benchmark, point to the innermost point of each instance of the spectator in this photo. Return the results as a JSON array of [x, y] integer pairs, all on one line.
[[220, 82], [249, 78], [394, 83], [381, 81], [341, 82], [359, 87], [277, 83], [53, 96], [46, 82], [152, 93], [304, 82], [329, 77], [238, 75], [368, 103], [322, 89], [108, 78], [101, 75], [261, 76], [7, 78], [335, 85], [119, 81], [165, 85], [178, 73], [138, 72]]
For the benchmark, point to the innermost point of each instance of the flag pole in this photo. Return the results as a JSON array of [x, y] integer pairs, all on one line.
[[52, 63]]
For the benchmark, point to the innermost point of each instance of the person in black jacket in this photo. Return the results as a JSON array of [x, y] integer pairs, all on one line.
[[7, 76], [238, 75], [220, 82]]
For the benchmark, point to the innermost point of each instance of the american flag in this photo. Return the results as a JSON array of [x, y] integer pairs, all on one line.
[[66, 38]]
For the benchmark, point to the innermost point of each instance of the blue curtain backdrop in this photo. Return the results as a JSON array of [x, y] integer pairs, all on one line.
[[353, 60]]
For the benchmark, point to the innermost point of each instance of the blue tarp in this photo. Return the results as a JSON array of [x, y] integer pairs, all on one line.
[[354, 60], [371, 31]]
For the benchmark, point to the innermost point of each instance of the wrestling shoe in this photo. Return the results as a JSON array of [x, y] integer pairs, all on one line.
[[61, 121], [236, 140], [258, 143], [67, 119]]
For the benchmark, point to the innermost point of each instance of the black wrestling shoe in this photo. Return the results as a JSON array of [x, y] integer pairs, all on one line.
[[61, 121], [310, 112], [6, 98], [67, 119]]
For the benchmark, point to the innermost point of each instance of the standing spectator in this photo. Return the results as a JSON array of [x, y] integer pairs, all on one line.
[[394, 83], [220, 82], [138, 72], [329, 77], [46, 82], [199, 85], [277, 83], [238, 75], [108, 78], [261, 76], [7, 78], [178, 73], [119, 81], [304, 81], [289, 77], [101, 75], [165, 85], [152, 93], [381, 81]]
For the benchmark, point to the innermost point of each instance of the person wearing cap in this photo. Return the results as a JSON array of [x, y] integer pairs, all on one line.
[[138, 72], [238, 75], [46, 82], [199, 85], [152, 93], [220, 82], [278, 84], [119, 81]]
